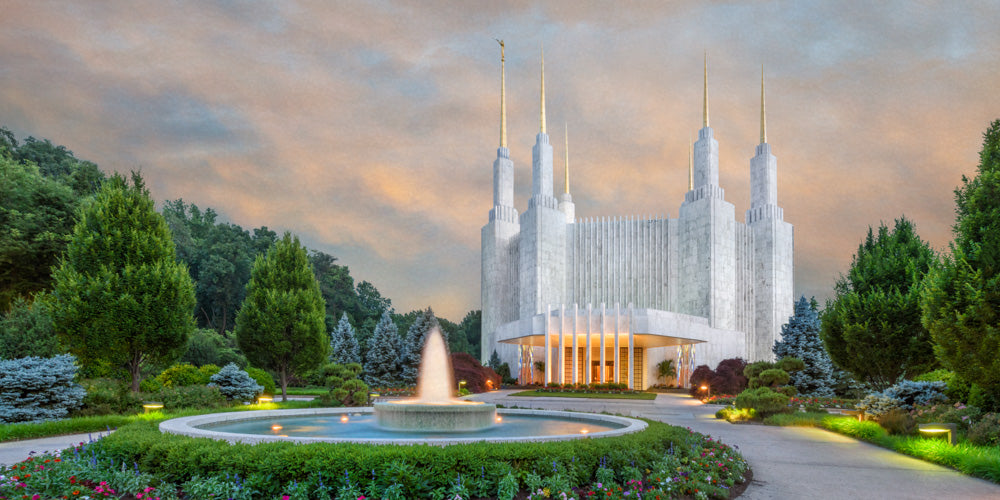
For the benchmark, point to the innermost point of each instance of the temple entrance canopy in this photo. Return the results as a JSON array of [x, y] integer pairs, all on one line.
[[612, 344]]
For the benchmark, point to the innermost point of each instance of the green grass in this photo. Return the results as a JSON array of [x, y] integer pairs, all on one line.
[[978, 461], [304, 391], [797, 419], [592, 395], [80, 425]]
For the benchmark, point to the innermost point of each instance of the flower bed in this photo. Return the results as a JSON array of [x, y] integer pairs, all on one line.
[[139, 462]]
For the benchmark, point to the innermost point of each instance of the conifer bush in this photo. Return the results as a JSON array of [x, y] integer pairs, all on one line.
[[764, 400], [35, 389], [235, 384]]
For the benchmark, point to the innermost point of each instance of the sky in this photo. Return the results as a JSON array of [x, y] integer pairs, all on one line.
[[369, 129]]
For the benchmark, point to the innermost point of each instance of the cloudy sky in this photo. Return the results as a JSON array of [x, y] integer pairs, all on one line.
[[369, 128]]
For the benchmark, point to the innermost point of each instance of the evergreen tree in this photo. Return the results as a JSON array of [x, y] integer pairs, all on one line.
[[281, 326], [121, 299], [494, 360], [961, 296], [27, 330], [800, 339], [382, 360], [871, 327], [343, 343], [413, 345]]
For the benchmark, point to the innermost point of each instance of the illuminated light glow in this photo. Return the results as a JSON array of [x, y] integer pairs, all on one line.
[[499, 419], [276, 427], [343, 418], [938, 428], [265, 399], [584, 431], [152, 406]]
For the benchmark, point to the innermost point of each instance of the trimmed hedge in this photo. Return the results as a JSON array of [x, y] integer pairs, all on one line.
[[179, 458]]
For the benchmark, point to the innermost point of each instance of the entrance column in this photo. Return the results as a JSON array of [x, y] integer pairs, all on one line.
[[562, 344], [618, 330], [548, 347], [576, 346], [604, 377], [631, 350], [588, 378]]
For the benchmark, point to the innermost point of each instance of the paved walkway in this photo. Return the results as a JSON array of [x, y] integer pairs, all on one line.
[[792, 462], [12, 452]]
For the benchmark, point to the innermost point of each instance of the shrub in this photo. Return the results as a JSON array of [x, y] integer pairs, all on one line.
[[106, 396], [702, 374], [209, 370], [956, 389], [898, 421], [986, 432], [731, 414], [764, 400], [787, 390], [911, 393], [191, 396], [791, 364], [182, 375], [150, 385], [875, 405], [35, 389], [346, 389], [475, 375], [235, 384], [958, 413], [263, 378], [209, 347], [729, 378], [772, 377]]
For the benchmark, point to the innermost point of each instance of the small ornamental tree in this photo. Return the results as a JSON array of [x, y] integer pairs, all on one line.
[[344, 343], [961, 294], [235, 384], [800, 339], [664, 370], [121, 299], [382, 363], [346, 389], [282, 324], [35, 389]]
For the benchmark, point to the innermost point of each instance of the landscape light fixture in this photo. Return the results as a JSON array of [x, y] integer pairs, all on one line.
[[151, 406], [932, 429], [264, 399]]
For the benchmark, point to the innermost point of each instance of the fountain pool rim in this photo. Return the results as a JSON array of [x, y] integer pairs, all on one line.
[[188, 426]]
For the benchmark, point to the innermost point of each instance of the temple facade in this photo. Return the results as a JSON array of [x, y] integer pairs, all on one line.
[[597, 300]]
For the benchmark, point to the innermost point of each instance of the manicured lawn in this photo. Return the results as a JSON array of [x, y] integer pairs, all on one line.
[[305, 391], [592, 395]]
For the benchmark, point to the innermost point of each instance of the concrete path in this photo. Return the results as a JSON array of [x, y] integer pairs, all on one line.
[[12, 452], [792, 462]]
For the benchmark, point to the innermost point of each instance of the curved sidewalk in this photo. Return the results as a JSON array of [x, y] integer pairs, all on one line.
[[792, 462], [12, 452]]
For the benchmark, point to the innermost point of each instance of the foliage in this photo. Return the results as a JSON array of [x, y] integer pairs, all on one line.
[[701, 376], [960, 414], [208, 347], [800, 338], [343, 343], [121, 299], [898, 422], [27, 330], [877, 404], [346, 389], [33, 389], [665, 370], [191, 396], [871, 327], [382, 359], [281, 325], [181, 375], [235, 384], [733, 414], [209, 370], [773, 375], [956, 389], [411, 352], [263, 378], [106, 396], [960, 298], [911, 393], [986, 432], [764, 400], [478, 378]]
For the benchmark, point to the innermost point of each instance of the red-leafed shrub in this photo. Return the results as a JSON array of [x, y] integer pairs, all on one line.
[[702, 375], [729, 378], [475, 375]]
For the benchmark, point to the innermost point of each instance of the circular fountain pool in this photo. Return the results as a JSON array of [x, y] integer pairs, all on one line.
[[358, 425]]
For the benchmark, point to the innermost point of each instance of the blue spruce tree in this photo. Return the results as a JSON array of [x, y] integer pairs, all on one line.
[[800, 339], [344, 343], [382, 360], [413, 345]]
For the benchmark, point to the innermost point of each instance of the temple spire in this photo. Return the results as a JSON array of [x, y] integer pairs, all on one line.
[[690, 165], [567, 158], [543, 92], [503, 98], [705, 111], [763, 120]]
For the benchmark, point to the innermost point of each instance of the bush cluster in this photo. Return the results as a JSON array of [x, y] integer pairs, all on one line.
[[35, 389], [986, 432], [475, 375], [235, 384], [905, 395], [107, 396], [346, 388], [726, 378], [182, 375], [263, 378], [764, 400]]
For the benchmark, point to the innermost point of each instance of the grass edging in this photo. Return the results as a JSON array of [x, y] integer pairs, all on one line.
[[977, 461]]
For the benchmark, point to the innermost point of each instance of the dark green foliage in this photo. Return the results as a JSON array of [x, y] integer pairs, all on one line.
[[898, 422], [772, 377], [181, 375], [411, 353], [27, 330], [800, 338], [121, 299], [33, 389], [281, 325], [207, 347], [382, 358], [665, 370], [472, 326], [961, 298], [263, 378], [346, 389], [421, 470], [192, 396], [871, 327], [210, 369], [763, 400], [235, 384], [108, 396], [986, 432]]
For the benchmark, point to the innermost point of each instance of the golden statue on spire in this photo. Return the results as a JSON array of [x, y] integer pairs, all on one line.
[[503, 98]]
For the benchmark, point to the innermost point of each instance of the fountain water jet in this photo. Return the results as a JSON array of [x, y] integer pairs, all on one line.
[[434, 408]]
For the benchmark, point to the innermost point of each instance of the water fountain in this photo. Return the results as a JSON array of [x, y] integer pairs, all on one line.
[[434, 408]]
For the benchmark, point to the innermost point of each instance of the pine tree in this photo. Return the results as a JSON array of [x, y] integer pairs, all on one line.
[[343, 343], [494, 362], [413, 345], [382, 360], [961, 294], [121, 299], [282, 324], [800, 339]]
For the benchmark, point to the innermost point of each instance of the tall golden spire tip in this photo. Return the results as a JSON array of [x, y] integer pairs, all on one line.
[[503, 97]]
